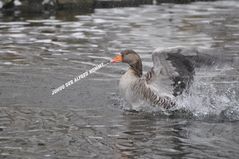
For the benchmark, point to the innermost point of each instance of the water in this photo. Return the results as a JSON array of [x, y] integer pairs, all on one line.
[[79, 77], [86, 120]]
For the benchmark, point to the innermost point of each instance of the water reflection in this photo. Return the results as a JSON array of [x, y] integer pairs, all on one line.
[[147, 135], [153, 137]]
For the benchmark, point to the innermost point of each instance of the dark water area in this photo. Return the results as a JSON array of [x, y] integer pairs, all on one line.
[[87, 120]]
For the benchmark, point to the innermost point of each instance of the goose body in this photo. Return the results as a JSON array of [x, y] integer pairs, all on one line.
[[138, 89], [138, 92]]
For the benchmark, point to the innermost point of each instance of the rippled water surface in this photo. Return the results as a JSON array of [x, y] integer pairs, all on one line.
[[87, 120]]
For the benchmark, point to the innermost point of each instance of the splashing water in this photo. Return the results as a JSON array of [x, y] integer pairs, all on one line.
[[212, 95]]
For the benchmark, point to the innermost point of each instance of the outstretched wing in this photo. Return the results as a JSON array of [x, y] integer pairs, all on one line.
[[174, 68]]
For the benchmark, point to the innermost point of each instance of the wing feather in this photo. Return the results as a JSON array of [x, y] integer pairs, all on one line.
[[174, 68]]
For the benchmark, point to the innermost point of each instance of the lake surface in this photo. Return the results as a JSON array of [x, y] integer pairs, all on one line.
[[88, 120]]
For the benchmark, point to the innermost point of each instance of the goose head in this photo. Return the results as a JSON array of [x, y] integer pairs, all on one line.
[[132, 59]]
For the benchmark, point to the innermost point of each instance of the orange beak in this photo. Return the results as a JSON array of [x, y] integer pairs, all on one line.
[[117, 59]]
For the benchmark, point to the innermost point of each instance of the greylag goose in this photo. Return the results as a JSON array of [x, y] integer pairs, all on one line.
[[171, 74]]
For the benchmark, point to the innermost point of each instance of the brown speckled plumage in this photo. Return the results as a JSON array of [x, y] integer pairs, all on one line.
[[140, 87]]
